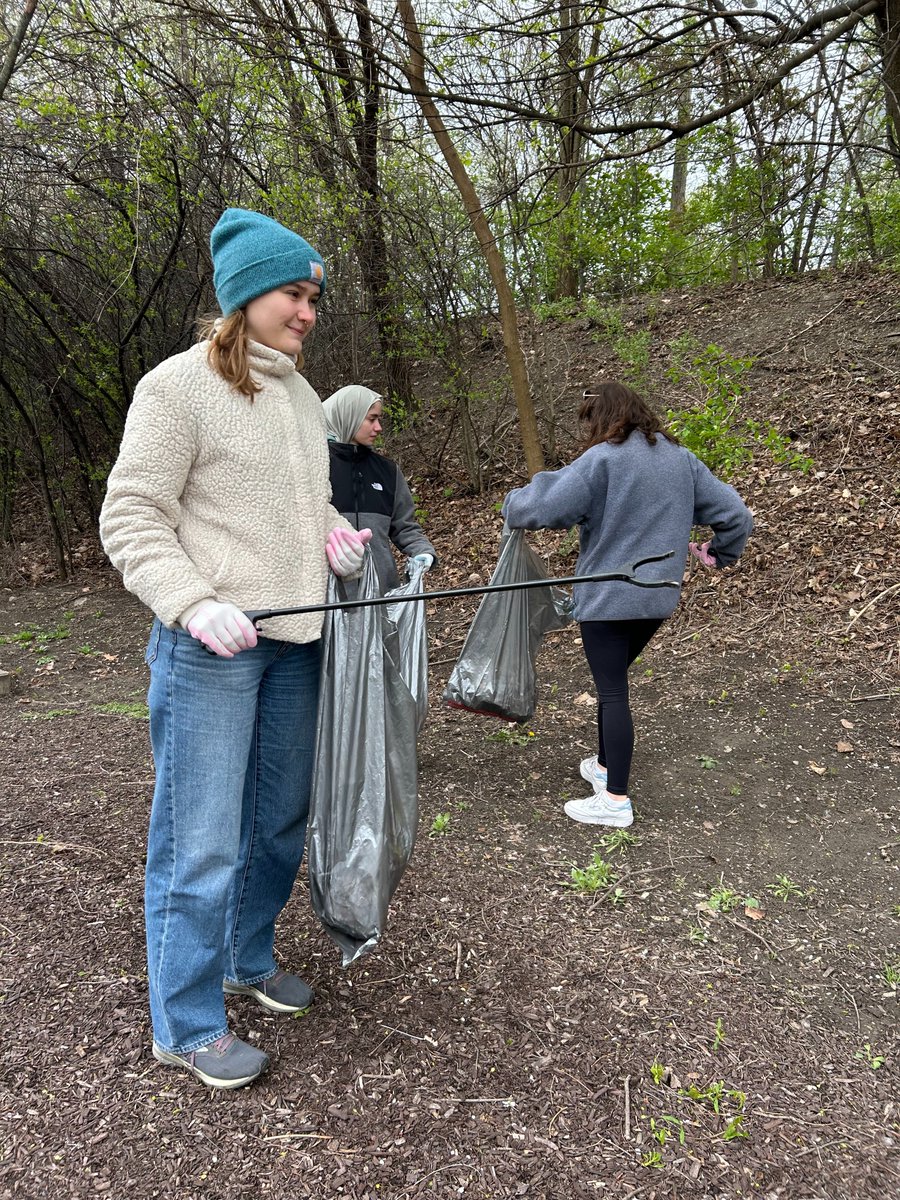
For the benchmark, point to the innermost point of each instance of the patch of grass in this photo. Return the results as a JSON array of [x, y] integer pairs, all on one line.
[[707, 762], [517, 735], [618, 839], [125, 708], [891, 974], [596, 875], [50, 715]]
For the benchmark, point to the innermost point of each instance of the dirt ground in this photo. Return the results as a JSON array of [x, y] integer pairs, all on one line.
[[718, 1018]]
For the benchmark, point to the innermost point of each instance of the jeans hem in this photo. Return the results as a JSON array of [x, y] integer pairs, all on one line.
[[253, 982], [192, 1046]]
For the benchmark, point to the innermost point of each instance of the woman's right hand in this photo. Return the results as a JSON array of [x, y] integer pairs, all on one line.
[[221, 627], [346, 549]]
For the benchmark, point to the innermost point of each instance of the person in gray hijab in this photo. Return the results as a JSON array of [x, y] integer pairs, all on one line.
[[368, 488]]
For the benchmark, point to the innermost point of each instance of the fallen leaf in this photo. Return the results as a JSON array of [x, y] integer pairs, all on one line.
[[844, 748], [814, 766], [751, 910], [585, 698], [847, 724]]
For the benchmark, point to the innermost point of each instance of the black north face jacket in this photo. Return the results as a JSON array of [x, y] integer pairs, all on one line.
[[369, 490]]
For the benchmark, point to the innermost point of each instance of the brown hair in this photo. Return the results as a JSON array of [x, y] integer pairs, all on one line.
[[227, 353], [611, 411]]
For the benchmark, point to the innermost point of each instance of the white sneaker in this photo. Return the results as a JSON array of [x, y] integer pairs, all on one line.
[[593, 773], [601, 809]]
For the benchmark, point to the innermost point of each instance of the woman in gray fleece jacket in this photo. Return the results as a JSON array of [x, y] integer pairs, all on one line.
[[219, 503], [633, 493]]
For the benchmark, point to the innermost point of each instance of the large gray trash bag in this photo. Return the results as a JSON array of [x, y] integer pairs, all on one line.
[[409, 619], [364, 809], [495, 673]]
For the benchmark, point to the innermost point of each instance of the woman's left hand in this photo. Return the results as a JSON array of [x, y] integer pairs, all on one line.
[[346, 549]]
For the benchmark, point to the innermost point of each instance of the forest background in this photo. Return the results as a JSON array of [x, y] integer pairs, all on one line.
[[466, 170]]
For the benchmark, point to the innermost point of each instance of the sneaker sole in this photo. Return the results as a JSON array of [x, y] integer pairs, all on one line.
[[213, 1081], [589, 778], [264, 1001], [616, 820]]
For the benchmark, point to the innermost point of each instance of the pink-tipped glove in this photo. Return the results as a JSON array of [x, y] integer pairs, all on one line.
[[221, 627], [702, 553], [346, 549]]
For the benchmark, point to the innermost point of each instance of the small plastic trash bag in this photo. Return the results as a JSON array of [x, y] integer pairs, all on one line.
[[364, 811], [495, 673], [409, 618]]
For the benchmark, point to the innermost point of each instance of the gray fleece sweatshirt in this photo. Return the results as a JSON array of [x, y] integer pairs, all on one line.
[[631, 501]]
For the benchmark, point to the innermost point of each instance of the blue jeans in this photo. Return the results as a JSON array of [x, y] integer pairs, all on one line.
[[233, 748]]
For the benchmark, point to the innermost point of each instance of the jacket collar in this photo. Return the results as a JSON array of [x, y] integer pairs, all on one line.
[[349, 451], [266, 361]]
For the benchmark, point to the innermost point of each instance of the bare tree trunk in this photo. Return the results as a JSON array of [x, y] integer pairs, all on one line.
[[889, 26], [566, 284], [415, 74], [15, 45]]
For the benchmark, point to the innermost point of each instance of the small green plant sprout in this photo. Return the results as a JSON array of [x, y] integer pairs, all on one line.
[[723, 898], [598, 874], [869, 1057], [785, 888], [665, 1127], [657, 1071], [715, 1094], [707, 762], [652, 1158], [895, 910], [735, 1129], [734, 790], [891, 974], [85, 649], [719, 1036], [449, 492], [515, 735], [618, 896], [439, 824], [618, 839], [698, 935]]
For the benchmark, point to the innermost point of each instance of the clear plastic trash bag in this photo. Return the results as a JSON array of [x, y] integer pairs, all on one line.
[[495, 672], [364, 804], [409, 618]]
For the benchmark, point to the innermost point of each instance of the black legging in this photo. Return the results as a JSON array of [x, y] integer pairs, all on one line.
[[610, 648]]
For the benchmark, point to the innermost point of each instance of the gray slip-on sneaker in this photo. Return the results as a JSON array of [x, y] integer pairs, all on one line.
[[225, 1063], [282, 992]]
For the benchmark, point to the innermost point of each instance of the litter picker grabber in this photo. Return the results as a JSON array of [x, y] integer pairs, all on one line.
[[624, 574]]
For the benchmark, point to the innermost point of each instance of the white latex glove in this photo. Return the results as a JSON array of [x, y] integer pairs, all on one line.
[[345, 549], [425, 561], [222, 627]]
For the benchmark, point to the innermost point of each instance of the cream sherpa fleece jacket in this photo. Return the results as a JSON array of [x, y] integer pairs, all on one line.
[[215, 496]]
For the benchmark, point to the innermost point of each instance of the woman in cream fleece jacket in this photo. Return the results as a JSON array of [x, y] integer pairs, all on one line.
[[220, 502]]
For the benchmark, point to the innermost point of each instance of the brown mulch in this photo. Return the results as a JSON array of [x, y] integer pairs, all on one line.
[[514, 1035]]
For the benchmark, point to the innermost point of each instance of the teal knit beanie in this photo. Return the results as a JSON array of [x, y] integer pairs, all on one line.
[[253, 254]]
